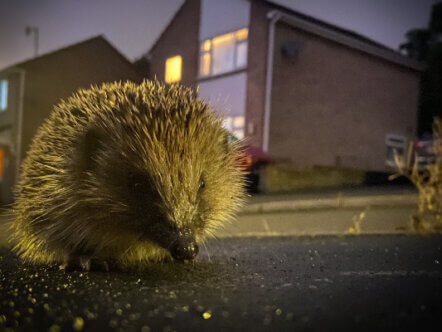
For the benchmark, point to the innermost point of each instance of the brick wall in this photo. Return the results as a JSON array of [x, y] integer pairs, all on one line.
[[334, 105], [179, 38], [59, 74], [256, 72]]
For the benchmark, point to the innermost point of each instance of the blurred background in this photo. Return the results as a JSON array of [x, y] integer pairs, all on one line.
[[322, 93]]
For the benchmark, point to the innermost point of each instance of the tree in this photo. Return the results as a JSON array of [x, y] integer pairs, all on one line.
[[143, 66], [426, 45], [416, 45]]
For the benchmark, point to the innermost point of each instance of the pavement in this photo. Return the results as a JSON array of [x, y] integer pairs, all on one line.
[[362, 210], [357, 197], [337, 221], [323, 283]]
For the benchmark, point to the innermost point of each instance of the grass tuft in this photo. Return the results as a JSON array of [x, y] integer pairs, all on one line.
[[428, 182]]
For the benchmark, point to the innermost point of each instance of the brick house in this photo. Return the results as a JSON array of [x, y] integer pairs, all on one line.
[[306, 91], [28, 91]]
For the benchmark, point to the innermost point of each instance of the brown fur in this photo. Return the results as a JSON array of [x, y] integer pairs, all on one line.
[[119, 171]]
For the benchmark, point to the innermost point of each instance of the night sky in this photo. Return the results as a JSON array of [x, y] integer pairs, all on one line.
[[133, 25]]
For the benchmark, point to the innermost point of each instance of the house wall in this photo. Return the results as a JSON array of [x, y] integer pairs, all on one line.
[[195, 22], [53, 77], [256, 72], [179, 38], [319, 98], [333, 105], [56, 76]]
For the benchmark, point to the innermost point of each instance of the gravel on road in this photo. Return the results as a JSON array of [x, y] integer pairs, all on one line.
[[354, 283]]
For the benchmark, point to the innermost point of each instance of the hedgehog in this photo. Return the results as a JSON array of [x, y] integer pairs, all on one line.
[[124, 174]]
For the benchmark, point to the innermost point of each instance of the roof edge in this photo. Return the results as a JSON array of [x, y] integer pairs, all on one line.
[[147, 53], [348, 41], [19, 66], [38, 57]]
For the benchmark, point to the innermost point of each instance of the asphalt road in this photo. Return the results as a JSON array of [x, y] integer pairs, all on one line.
[[328, 283]]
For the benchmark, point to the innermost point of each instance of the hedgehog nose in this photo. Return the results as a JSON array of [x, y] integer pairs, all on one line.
[[184, 250]]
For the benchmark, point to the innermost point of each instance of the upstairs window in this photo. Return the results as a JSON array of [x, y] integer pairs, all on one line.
[[173, 69], [224, 53], [3, 94]]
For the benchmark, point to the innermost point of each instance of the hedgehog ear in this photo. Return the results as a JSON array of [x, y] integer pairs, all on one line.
[[90, 144]]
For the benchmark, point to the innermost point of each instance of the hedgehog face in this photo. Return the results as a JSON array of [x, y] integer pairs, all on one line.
[[173, 204], [170, 225], [148, 214], [173, 194], [163, 158]]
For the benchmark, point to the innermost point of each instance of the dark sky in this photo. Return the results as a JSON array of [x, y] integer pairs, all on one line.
[[133, 25]]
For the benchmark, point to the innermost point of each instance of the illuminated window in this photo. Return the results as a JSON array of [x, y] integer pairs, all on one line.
[[228, 123], [3, 94], [239, 133], [224, 53], [205, 64], [235, 125], [242, 34], [173, 69], [206, 45], [238, 121]]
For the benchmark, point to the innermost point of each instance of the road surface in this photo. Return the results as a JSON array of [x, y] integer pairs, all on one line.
[[324, 283]]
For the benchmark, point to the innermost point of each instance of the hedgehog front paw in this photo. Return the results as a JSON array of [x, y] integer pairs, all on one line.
[[99, 265], [78, 263], [84, 263]]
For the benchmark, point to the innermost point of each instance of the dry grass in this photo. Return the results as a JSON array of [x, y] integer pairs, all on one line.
[[428, 182], [355, 229]]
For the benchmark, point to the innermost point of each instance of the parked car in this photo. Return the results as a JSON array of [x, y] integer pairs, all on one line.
[[423, 153]]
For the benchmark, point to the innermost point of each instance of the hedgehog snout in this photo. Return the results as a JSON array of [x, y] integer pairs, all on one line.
[[184, 248]]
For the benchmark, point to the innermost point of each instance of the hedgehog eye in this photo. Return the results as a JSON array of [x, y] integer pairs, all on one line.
[[135, 182], [202, 184]]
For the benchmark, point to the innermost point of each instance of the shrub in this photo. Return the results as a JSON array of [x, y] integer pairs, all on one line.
[[428, 183]]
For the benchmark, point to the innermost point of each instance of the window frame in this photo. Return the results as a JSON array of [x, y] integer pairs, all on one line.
[[237, 42]]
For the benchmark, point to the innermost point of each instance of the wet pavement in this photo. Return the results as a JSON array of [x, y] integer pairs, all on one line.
[[363, 283]]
